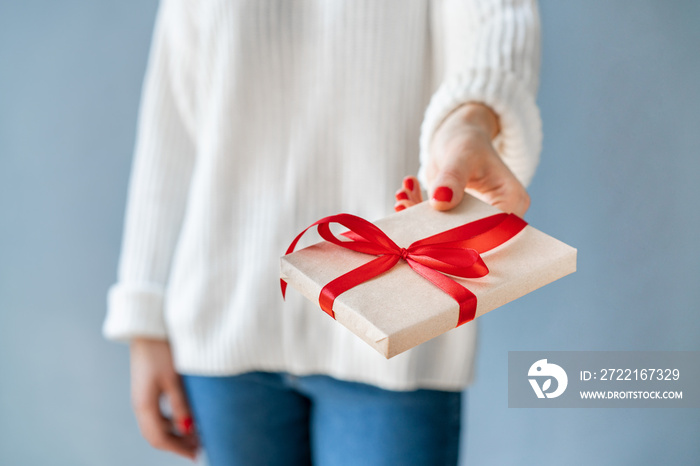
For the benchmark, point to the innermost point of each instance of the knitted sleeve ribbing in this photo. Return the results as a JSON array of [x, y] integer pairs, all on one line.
[[488, 51], [160, 177]]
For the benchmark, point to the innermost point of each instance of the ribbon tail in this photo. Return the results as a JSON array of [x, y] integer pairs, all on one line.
[[353, 278], [465, 298], [283, 287], [482, 235]]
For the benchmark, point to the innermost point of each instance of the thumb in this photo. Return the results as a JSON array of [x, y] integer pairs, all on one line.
[[448, 186]]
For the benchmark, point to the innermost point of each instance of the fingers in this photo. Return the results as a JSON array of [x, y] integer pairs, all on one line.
[[181, 411], [496, 186], [153, 378], [508, 199], [158, 430], [469, 162], [181, 436], [409, 194], [500, 188]]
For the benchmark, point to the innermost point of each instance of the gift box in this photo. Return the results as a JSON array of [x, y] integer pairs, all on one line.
[[419, 273]]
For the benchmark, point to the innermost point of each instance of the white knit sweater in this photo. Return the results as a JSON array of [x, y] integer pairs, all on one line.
[[260, 117]]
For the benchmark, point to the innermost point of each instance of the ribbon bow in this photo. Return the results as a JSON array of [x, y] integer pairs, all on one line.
[[455, 252]]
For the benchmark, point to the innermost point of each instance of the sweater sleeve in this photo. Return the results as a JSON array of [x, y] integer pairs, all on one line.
[[160, 177], [488, 51]]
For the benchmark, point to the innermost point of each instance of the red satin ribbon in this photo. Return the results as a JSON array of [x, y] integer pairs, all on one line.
[[455, 252]]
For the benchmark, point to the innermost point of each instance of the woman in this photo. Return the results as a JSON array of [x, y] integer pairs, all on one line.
[[257, 119]]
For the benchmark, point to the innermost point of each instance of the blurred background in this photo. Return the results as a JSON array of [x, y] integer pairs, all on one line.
[[618, 179]]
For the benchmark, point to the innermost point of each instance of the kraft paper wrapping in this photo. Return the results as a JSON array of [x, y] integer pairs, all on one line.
[[399, 309]]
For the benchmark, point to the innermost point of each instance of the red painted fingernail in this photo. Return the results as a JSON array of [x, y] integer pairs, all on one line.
[[443, 194], [408, 183], [399, 208], [402, 196], [186, 425]]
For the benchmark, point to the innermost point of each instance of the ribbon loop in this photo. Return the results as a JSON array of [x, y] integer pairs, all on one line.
[[456, 252]]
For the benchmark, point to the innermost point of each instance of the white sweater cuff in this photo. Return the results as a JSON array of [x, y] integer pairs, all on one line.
[[520, 140], [135, 311]]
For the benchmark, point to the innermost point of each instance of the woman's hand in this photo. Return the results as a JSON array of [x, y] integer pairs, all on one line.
[[463, 158], [153, 376]]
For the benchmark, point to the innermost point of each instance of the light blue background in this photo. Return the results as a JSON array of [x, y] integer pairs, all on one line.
[[621, 108]]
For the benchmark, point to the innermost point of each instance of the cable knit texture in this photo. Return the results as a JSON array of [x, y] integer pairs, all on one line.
[[260, 117]]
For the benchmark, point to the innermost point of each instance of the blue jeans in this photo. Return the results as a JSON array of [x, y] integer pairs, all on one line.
[[263, 418]]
